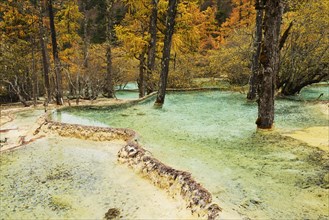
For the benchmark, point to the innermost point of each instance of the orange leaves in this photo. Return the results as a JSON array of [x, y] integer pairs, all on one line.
[[195, 28], [242, 15], [12, 21]]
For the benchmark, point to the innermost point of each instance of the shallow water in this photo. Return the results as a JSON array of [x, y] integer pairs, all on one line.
[[63, 178], [319, 92], [212, 135], [121, 94]]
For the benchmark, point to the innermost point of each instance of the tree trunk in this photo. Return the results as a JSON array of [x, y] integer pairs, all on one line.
[[16, 88], [85, 36], [59, 91], [170, 25], [86, 90], [293, 87], [27, 85], [277, 30], [281, 44], [141, 81], [45, 60], [152, 47], [240, 10], [34, 75], [256, 53], [269, 60], [109, 85], [85, 52], [285, 36]]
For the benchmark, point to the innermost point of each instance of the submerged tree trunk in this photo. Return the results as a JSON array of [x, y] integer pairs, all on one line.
[[152, 47], [59, 91], [45, 60], [253, 82], [109, 86], [269, 60], [170, 25]]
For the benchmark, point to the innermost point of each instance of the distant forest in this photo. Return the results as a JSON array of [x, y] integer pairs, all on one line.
[[74, 49]]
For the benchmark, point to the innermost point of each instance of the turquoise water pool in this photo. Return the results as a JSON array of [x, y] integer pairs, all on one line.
[[68, 178], [213, 135]]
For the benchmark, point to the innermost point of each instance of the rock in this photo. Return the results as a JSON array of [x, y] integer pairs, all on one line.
[[255, 201], [112, 213]]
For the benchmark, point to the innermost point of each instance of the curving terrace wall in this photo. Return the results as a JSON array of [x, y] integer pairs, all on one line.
[[178, 184], [88, 132]]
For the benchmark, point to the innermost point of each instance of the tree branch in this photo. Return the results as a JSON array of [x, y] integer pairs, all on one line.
[[285, 36]]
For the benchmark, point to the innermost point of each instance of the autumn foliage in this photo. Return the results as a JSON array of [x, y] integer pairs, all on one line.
[[212, 39]]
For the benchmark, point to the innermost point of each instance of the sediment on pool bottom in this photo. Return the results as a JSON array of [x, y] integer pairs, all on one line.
[[178, 184]]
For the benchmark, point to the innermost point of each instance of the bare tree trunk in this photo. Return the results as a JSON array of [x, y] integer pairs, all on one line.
[[281, 44], [240, 10], [141, 80], [276, 54], [85, 36], [170, 25], [34, 76], [269, 60], [27, 85], [152, 47], [109, 86], [45, 60], [86, 89], [85, 52], [175, 60], [16, 88], [256, 53], [59, 91]]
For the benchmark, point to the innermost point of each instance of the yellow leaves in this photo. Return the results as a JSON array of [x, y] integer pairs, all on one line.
[[133, 32], [308, 40], [194, 27], [135, 6], [18, 19], [67, 26], [133, 43], [311, 20]]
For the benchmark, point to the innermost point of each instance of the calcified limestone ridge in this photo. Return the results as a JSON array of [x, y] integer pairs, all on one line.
[[178, 184]]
